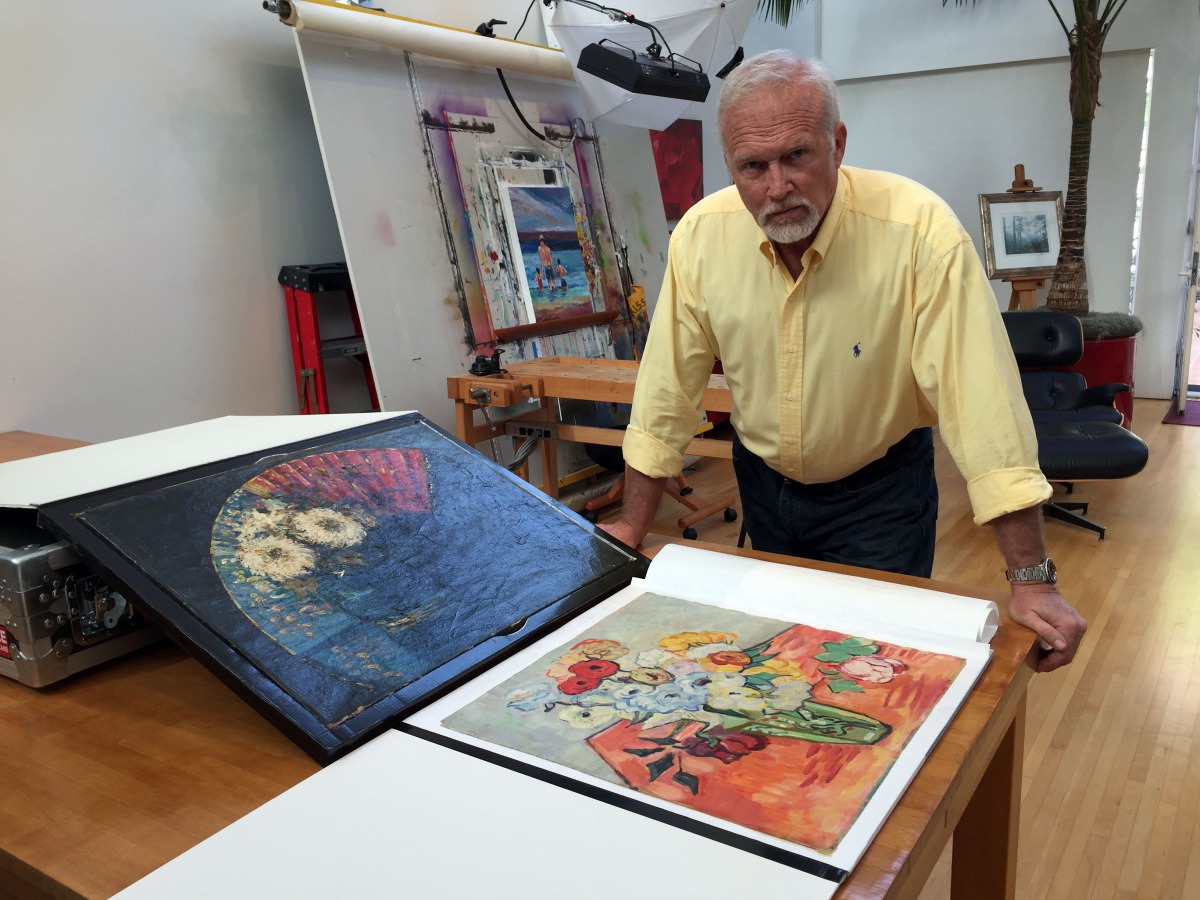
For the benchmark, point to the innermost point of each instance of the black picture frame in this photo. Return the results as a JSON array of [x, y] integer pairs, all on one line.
[[540, 562]]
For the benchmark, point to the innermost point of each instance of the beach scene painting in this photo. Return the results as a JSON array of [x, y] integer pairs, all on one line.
[[551, 266]]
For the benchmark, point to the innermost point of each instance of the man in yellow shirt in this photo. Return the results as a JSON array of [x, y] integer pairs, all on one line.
[[850, 313]]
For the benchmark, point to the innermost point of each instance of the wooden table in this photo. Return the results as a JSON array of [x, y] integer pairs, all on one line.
[[110, 774]]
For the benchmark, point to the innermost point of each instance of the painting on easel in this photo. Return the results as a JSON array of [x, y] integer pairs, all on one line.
[[778, 727], [554, 272], [338, 582]]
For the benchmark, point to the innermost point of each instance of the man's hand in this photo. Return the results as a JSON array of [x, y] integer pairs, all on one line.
[[1033, 604], [623, 532], [1042, 608]]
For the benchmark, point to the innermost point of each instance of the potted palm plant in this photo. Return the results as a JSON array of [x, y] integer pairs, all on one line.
[[1109, 338]]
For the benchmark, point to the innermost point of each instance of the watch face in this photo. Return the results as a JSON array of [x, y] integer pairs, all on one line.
[[1051, 571]]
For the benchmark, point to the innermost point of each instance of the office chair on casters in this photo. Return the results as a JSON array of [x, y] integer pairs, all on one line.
[[678, 489], [1079, 431]]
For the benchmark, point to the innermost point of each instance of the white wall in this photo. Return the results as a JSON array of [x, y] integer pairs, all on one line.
[[948, 94], [159, 166], [1024, 110]]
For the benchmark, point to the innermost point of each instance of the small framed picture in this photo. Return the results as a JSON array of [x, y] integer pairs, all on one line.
[[1021, 233]]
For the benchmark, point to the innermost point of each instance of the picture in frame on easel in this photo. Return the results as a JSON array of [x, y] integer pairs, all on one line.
[[1021, 233]]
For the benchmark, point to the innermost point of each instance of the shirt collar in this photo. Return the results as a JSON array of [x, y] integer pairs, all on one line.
[[829, 225]]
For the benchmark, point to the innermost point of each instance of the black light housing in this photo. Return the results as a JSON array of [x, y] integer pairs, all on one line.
[[640, 73]]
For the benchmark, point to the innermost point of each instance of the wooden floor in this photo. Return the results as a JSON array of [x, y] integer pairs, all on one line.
[[1111, 794]]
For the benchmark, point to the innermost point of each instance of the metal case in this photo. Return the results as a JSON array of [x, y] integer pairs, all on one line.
[[56, 616]]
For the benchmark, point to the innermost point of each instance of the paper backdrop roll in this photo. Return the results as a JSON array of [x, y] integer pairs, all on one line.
[[425, 38]]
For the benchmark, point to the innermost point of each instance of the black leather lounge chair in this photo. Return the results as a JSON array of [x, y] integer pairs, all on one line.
[[1047, 338], [1078, 430]]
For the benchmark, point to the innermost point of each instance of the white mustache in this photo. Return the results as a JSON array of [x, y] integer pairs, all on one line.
[[791, 201]]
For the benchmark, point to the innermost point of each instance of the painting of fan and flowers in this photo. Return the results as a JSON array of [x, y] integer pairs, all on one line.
[[335, 584], [779, 727]]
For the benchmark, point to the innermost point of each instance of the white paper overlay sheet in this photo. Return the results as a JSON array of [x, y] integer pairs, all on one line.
[[909, 616], [71, 473], [402, 817]]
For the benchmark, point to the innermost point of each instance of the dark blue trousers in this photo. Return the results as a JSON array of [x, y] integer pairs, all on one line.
[[883, 516]]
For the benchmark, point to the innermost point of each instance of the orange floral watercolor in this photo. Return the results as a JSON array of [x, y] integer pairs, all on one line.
[[801, 791]]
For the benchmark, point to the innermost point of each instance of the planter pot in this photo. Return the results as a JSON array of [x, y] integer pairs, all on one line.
[[1107, 361]]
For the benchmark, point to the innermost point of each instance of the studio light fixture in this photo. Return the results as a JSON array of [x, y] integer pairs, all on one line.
[[647, 72], [644, 74], [673, 76]]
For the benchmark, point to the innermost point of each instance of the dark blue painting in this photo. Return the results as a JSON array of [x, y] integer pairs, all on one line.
[[346, 572]]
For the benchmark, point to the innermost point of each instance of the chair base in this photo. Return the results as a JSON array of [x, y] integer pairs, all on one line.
[[1073, 514]]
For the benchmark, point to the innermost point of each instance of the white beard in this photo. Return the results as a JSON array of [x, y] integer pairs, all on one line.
[[789, 232]]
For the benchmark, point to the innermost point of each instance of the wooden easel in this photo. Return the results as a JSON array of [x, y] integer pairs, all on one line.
[[1024, 290]]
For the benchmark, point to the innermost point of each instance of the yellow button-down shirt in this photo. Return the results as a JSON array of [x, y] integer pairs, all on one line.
[[891, 326]]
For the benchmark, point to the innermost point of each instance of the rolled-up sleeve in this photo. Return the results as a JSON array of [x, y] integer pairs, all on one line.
[[674, 372], [965, 367]]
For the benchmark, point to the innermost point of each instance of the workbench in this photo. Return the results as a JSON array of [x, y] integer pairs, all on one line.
[[575, 378], [565, 378]]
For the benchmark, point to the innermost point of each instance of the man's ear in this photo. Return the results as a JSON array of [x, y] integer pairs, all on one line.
[[839, 143]]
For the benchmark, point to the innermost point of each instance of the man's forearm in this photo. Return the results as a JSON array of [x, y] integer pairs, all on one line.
[[1021, 537], [639, 503], [1035, 605]]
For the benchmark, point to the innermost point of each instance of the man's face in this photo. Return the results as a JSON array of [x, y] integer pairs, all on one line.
[[782, 160]]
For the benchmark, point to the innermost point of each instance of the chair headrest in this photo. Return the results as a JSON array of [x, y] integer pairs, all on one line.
[[1043, 337]]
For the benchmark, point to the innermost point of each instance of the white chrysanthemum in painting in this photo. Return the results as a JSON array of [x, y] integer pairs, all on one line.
[[329, 527], [257, 523], [277, 558]]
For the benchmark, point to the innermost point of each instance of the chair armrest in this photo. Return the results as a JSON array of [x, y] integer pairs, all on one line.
[[1102, 394]]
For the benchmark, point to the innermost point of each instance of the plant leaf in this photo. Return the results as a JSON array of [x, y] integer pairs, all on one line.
[[842, 685], [660, 765], [779, 11], [688, 780], [833, 657]]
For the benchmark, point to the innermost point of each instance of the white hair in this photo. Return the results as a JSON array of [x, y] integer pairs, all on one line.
[[779, 68]]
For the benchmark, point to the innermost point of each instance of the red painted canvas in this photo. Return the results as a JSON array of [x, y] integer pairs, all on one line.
[[678, 157]]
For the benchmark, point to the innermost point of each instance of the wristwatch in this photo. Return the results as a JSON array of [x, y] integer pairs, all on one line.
[[1044, 572]]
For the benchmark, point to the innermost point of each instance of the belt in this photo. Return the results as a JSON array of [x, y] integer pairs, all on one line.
[[905, 451]]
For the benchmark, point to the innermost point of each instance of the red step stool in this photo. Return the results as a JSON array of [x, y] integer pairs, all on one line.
[[302, 285]]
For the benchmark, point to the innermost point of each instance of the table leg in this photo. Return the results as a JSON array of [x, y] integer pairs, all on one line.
[[984, 861], [550, 468]]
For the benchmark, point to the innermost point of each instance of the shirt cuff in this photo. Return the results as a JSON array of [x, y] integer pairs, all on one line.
[[650, 456], [1003, 491]]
